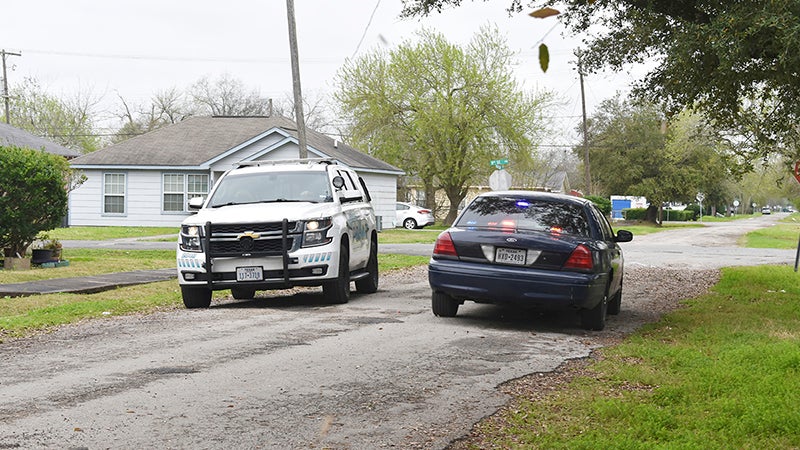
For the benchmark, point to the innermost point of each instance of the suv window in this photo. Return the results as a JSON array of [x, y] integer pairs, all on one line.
[[245, 188], [525, 214]]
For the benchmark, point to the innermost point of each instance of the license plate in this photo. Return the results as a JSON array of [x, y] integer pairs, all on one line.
[[510, 256], [249, 273]]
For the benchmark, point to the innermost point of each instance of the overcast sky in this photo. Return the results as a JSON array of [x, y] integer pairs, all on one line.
[[136, 48]]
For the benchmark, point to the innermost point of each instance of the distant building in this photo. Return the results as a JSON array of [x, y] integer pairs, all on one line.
[[148, 180], [620, 202]]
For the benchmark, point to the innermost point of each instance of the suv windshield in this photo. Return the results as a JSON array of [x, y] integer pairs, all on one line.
[[237, 189], [522, 214]]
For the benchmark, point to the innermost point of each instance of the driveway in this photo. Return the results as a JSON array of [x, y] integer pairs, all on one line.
[[287, 371]]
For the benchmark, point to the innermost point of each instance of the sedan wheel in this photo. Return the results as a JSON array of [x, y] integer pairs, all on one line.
[[595, 318], [443, 305], [409, 224]]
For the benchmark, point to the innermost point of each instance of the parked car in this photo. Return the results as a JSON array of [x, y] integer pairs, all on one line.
[[411, 217], [279, 224], [766, 210], [529, 248]]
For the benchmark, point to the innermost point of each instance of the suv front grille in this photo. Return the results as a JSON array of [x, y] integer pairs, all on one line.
[[236, 228], [239, 246]]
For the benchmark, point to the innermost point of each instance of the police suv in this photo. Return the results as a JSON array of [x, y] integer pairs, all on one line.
[[279, 224]]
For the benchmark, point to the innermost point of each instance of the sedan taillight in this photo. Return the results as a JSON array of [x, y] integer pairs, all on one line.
[[581, 258], [424, 211], [444, 245]]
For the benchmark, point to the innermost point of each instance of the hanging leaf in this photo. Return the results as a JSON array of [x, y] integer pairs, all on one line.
[[544, 12], [544, 57]]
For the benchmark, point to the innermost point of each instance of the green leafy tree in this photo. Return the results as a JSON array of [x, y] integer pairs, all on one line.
[[33, 196], [66, 121], [733, 61], [441, 112], [634, 151]]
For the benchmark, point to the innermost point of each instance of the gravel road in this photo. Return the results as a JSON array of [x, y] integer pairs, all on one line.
[[287, 371]]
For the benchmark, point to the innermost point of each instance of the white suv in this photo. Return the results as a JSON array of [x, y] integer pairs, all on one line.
[[278, 224]]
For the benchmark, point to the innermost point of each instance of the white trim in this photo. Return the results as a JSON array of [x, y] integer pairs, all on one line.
[[244, 144]]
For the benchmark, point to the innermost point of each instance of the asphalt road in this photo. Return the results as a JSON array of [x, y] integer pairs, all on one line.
[[288, 371]]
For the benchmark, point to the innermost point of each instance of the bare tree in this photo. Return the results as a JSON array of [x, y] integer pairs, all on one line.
[[227, 96]]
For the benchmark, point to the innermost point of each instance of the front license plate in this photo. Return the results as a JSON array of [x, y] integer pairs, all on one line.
[[249, 273], [510, 256]]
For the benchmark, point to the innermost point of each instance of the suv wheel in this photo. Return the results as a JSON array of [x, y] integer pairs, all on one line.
[[369, 285], [443, 305], [196, 297], [409, 224], [338, 290]]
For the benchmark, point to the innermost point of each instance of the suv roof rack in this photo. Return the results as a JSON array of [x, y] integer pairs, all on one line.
[[275, 162]]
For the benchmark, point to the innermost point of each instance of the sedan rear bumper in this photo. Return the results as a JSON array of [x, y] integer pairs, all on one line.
[[545, 289]]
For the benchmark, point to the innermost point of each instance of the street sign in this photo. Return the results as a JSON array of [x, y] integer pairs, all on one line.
[[499, 163], [700, 197]]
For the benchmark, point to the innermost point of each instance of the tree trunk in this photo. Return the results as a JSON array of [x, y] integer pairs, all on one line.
[[454, 196], [652, 214]]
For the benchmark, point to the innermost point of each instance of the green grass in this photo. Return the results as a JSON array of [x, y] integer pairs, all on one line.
[[105, 233], [403, 236], [22, 316], [84, 262], [721, 373], [643, 228], [785, 234]]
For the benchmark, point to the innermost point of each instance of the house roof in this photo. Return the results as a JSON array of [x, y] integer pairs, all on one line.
[[197, 141], [10, 135]]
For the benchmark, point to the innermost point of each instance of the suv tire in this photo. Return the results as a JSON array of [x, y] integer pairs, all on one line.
[[338, 291], [369, 285], [196, 297]]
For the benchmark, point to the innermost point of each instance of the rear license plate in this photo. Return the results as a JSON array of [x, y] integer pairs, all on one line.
[[254, 273], [510, 256]]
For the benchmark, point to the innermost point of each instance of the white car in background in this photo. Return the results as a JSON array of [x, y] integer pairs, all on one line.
[[411, 217]]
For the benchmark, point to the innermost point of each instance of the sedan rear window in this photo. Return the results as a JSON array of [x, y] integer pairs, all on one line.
[[522, 214]]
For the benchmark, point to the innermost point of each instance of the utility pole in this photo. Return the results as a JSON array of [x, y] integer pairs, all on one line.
[[586, 173], [6, 96], [298, 96]]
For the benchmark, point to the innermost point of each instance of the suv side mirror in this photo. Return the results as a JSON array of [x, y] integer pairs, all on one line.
[[196, 203], [338, 182]]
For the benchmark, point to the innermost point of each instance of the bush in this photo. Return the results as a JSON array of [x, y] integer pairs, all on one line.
[[33, 196], [634, 213], [678, 215], [604, 204]]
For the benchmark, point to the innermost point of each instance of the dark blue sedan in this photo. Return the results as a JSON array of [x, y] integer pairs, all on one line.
[[530, 248]]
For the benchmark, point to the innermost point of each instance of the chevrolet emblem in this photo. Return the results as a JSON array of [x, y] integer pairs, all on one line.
[[249, 234]]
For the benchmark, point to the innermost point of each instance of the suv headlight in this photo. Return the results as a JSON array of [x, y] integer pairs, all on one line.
[[190, 238], [316, 232]]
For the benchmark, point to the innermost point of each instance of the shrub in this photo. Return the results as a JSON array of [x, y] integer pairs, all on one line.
[[33, 196], [604, 204], [634, 213]]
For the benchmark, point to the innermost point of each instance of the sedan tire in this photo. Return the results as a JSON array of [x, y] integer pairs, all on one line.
[[595, 318], [443, 305], [410, 224]]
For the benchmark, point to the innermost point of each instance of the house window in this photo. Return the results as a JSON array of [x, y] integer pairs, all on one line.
[[420, 197], [179, 188], [114, 193]]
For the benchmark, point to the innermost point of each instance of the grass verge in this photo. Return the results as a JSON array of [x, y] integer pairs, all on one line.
[[85, 262], [105, 233], [783, 235], [721, 373], [23, 316]]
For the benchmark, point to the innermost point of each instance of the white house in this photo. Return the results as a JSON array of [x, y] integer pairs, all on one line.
[[147, 180]]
